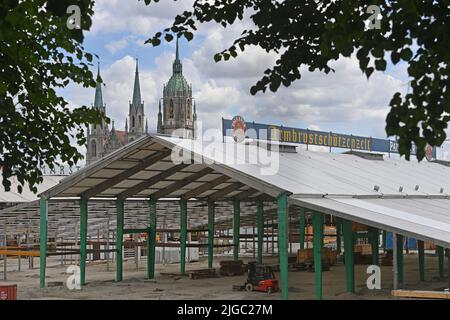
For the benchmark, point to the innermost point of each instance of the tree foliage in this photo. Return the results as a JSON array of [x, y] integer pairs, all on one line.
[[314, 33], [38, 55]]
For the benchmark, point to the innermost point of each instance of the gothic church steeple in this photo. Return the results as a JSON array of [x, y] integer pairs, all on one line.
[[177, 116], [136, 111]]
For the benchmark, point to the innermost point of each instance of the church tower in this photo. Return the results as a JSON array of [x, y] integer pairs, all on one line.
[[135, 124], [177, 116], [97, 134]]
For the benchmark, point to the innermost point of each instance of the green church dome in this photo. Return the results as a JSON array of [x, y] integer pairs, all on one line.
[[177, 84]]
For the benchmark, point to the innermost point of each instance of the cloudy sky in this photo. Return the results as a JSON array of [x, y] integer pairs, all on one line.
[[344, 101]]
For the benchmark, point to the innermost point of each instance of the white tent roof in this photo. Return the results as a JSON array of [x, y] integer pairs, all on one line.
[[410, 198]]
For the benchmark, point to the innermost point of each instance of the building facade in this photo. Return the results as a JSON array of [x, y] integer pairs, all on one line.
[[176, 115]]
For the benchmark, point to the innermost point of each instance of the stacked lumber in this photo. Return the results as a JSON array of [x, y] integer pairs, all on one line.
[[231, 268], [203, 273], [329, 256]]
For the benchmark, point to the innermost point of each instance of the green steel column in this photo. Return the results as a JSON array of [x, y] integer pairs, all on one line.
[[43, 241], [210, 232], [317, 220], [183, 236], [349, 256], [236, 227], [338, 235], [283, 243], [260, 223], [83, 238], [420, 247], [151, 240], [375, 243], [302, 228], [400, 245], [119, 240], [440, 252]]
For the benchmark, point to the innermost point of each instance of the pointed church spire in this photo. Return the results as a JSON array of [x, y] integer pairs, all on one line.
[[98, 99], [177, 66], [137, 88], [177, 55]]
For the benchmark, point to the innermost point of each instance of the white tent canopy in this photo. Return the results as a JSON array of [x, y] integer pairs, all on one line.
[[407, 197]]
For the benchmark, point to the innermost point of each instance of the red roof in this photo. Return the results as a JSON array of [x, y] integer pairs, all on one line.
[[121, 136]]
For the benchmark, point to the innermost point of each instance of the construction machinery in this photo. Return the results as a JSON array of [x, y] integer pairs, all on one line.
[[261, 278]]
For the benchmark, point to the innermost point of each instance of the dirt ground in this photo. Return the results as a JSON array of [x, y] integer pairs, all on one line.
[[101, 284]]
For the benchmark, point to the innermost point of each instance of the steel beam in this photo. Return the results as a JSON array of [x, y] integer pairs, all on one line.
[[83, 238], [400, 239], [282, 212], [126, 173], [151, 181], [349, 256], [183, 235], [236, 227], [318, 244], [421, 249], [338, 235], [43, 241], [205, 187], [211, 214], [302, 228], [151, 241], [220, 194], [260, 230], [374, 242], [180, 184], [119, 241], [440, 252]]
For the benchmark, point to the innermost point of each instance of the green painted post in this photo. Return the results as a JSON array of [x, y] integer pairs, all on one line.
[[440, 252], [260, 223], [83, 238], [236, 227], [400, 245], [119, 240], [375, 243], [210, 232], [283, 243], [317, 220], [349, 256], [302, 228], [43, 241], [338, 235], [183, 236], [420, 247], [151, 240], [384, 240]]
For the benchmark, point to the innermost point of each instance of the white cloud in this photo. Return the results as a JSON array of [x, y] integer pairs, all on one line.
[[343, 100], [117, 45]]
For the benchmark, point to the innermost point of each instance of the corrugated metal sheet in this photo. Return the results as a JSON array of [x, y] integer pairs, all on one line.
[[426, 219], [410, 198], [322, 173]]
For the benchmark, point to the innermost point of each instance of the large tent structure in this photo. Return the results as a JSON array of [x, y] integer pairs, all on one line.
[[405, 198]]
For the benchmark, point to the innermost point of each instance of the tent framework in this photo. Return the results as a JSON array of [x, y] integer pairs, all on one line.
[[141, 186]]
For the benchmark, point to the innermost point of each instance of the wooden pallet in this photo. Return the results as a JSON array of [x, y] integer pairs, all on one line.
[[419, 294]]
